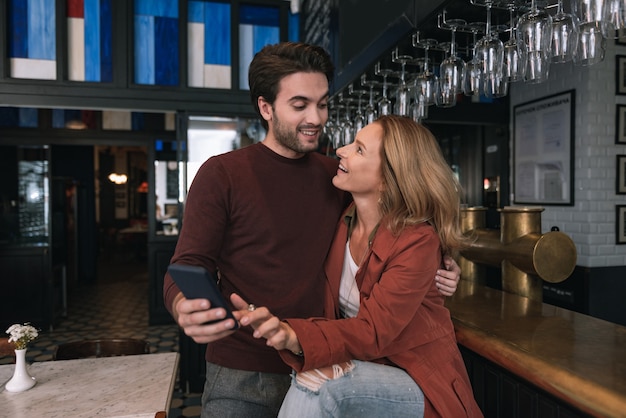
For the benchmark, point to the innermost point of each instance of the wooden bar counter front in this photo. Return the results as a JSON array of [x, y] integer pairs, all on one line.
[[576, 358]]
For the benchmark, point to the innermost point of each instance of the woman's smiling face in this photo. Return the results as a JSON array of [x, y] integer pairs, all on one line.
[[359, 169]]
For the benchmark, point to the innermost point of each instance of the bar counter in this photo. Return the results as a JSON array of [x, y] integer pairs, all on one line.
[[574, 357]]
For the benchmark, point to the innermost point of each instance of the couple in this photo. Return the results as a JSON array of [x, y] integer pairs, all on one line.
[[382, 306], [266, 225]]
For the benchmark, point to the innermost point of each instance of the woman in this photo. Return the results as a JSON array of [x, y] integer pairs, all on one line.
[[387, 345]]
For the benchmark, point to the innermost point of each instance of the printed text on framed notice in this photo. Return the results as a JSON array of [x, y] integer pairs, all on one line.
[[543, 150]]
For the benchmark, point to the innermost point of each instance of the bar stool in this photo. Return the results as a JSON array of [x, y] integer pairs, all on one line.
[[101, 348]]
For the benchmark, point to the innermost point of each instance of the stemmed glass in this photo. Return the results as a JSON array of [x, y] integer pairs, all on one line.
[[514, 55], [384, 104], [402, 94], [452, 68], [333, 126], [490, 50], [370, 108], [616, 16], [535, 31], [347, 127], [473, 68], [426, 80], [419, 107], [564, 35], [359, 118], [593, 29]]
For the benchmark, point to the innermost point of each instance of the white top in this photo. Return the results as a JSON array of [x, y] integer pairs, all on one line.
[[128, 386], [349, 299]]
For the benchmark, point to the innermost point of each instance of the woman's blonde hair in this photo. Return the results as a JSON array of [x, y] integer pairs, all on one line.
[[419, 185]]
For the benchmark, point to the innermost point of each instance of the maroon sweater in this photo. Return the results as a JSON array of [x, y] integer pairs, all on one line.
[[266, 222]]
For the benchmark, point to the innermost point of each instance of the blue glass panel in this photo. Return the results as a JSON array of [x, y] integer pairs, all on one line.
[[144, 50], [92, 40], [106, 55], [41, 29], [158, 145], [259, 15], [58, 118], [294, 27], [18, 29], [217, 34], [265, 35], [246, 53], [162, 8], [195, 11], [136, 121], [29, 117], [166, 55]]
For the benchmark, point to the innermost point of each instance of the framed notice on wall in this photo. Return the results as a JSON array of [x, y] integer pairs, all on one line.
[[543, 135]]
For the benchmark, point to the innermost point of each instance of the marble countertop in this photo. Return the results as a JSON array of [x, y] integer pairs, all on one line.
[[129, 386], [577, 358]]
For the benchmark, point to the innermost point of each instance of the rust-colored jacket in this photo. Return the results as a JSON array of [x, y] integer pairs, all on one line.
[[401, 320]]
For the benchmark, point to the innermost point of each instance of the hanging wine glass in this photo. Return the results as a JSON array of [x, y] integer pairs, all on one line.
[[419, 108], [403, 99], [330, 126], [616, 17], [359, 120], [490, 51], [514, 53], [473, 68], [452, 68], [593, 30], [347, 127], [426, 80], [564, 35], [384, 104], [591, 44], [370, 108], [337, 133], [594, 13], [535, 31], [489, 48]]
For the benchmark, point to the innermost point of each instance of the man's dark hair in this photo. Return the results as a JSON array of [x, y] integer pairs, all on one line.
[[274, 62]]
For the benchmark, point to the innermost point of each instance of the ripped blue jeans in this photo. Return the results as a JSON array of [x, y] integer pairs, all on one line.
[[368, 390]]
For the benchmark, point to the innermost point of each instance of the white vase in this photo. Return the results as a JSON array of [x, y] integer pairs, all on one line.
[[21, 380]]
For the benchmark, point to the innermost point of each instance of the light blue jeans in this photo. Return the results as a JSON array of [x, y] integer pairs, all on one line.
[[369, 390]]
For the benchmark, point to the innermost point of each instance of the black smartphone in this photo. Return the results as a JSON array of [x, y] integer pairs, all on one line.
[[198, 283]]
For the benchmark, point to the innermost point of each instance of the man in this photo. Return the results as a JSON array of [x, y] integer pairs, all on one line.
[[264, 217]]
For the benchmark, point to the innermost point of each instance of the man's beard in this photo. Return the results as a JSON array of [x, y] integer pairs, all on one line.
[[289, 138]]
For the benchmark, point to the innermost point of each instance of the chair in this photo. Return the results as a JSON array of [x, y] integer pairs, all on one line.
[[101, 348], [6, 348]]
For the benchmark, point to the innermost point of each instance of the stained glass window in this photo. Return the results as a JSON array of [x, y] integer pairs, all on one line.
[[209, 44], [31, 36], [156, 42], [294, 26], [258, 26], [89, 25]]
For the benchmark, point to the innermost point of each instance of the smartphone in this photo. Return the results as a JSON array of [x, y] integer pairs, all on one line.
[[198, 283]]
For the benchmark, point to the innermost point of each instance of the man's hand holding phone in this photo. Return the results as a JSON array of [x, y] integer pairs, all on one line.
[[201, 310]]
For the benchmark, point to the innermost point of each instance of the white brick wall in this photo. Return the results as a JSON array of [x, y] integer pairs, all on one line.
[[591, 221]]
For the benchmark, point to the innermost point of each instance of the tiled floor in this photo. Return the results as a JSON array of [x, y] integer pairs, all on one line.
[[115, 306]]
